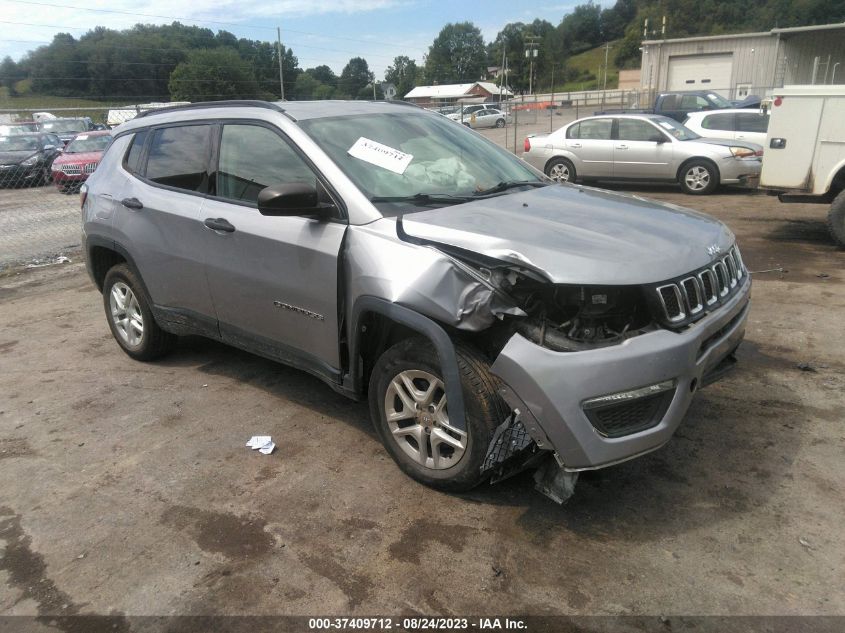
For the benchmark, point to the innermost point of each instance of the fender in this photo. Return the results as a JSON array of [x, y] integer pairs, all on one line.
[[96, 240], [425, 326]]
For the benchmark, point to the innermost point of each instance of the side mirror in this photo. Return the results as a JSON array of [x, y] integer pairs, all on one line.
[[659, 139], [295, 198], [50, 148]]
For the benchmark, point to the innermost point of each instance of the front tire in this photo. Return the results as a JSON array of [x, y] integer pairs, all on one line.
[[130, 318], [836, 220], [409, 410], [561, 170], [500, 123], [699, 178]]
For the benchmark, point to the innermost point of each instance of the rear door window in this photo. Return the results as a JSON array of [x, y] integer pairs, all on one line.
[[178, 157], [596, 129], [752, 122]]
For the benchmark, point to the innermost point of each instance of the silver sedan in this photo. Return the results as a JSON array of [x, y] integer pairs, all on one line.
[[643, 147], [488, 117]]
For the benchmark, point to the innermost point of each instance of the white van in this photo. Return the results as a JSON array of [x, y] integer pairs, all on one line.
[[804, 155]]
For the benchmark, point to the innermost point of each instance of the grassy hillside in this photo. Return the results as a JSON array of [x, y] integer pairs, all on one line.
[[590, 62], [27, 103]]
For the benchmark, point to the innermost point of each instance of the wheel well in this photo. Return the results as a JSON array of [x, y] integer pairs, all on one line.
[[837, 185], [694, 159], [378, 333], [553, 159], [102, 259]]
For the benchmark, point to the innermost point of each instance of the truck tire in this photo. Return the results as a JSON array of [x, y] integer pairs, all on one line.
[[129, 316], [698, 177], [409, 410], [836, 220]]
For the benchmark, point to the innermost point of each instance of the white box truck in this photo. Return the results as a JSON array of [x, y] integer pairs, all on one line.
[[804, 159]]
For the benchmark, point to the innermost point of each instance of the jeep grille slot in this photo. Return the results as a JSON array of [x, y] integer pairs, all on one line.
[[689, 297], [632, 416]]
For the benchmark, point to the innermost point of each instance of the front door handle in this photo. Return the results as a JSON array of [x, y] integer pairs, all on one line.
[[621, 147], [132, 203], [576, 145], [219, 224]]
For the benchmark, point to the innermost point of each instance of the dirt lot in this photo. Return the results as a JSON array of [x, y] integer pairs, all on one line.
[[127, 487]]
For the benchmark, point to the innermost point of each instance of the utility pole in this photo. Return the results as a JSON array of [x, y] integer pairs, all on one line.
[[606, 51], [531, 46], [552, 108], [281, 57]]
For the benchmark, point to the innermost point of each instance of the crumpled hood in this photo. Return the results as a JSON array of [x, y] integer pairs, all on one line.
[[578, 235]]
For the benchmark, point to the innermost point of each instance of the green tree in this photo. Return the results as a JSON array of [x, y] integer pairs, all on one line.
[[457, 55], [212, 75], [323, 74], [402, 74], [581, 29], [355, 76], [9, 75], [305, 87]]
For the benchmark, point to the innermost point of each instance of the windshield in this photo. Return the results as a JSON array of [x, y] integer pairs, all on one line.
[[719, 100], [18, 143], [65, 125], [680, 132], [418, 154], [87, 143], [17, 128]]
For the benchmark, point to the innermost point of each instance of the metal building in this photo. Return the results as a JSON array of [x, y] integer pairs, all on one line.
[[748, 63]]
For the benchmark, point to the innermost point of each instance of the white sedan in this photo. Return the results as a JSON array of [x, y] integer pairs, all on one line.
[[734, 125]]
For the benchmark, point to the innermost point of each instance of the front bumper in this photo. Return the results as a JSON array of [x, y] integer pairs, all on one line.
[[740, 171], [550, 387], [20, 173]]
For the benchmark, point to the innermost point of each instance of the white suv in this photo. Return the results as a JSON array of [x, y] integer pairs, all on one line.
[[735, 125]]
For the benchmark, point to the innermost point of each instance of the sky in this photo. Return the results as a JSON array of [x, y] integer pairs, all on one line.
[[326, 32]]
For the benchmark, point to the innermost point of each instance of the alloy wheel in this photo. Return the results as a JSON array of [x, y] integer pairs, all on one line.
[[417, 417], [559, 173], [697, 178], [126, 314]]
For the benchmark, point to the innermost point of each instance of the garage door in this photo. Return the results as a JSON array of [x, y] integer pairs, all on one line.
[[701, 72]]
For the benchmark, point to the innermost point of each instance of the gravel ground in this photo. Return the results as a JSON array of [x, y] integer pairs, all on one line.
[[127, 488]]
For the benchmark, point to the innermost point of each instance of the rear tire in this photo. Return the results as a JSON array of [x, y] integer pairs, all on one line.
[[401, 379], [836, 220], [500, 123], [698, 177], [130, 318], [561, 170]]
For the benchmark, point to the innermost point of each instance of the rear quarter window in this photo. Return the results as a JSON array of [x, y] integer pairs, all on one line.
[[752, 122], [132, 163]]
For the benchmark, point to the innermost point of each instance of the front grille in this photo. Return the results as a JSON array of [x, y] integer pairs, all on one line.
[[631, 416], [685, 299], [72, 170], [90, 168]]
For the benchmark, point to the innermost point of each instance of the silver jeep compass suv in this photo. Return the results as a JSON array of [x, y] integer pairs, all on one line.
[[496, 321]]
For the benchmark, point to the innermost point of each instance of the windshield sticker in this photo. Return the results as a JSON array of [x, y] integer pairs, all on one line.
[[82, 137], [380, 155]]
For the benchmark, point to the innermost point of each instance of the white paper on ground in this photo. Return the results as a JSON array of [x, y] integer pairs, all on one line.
[[380, 155], [257, 441], [267, 448]]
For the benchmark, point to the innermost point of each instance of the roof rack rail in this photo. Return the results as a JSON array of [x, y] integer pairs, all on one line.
[[401, 102], [242, 103]]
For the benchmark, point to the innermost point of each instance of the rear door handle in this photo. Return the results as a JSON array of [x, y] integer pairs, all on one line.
[[621, 147], [219, 224], [576, 145], [132, 203]]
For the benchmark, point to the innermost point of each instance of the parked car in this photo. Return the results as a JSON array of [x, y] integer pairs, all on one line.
[[79, 160], [735, 124], [25, 159], [463, 113], [495, 320], [66, 128], [643, 147], [805, 150], [489, 117], [678, 105]]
